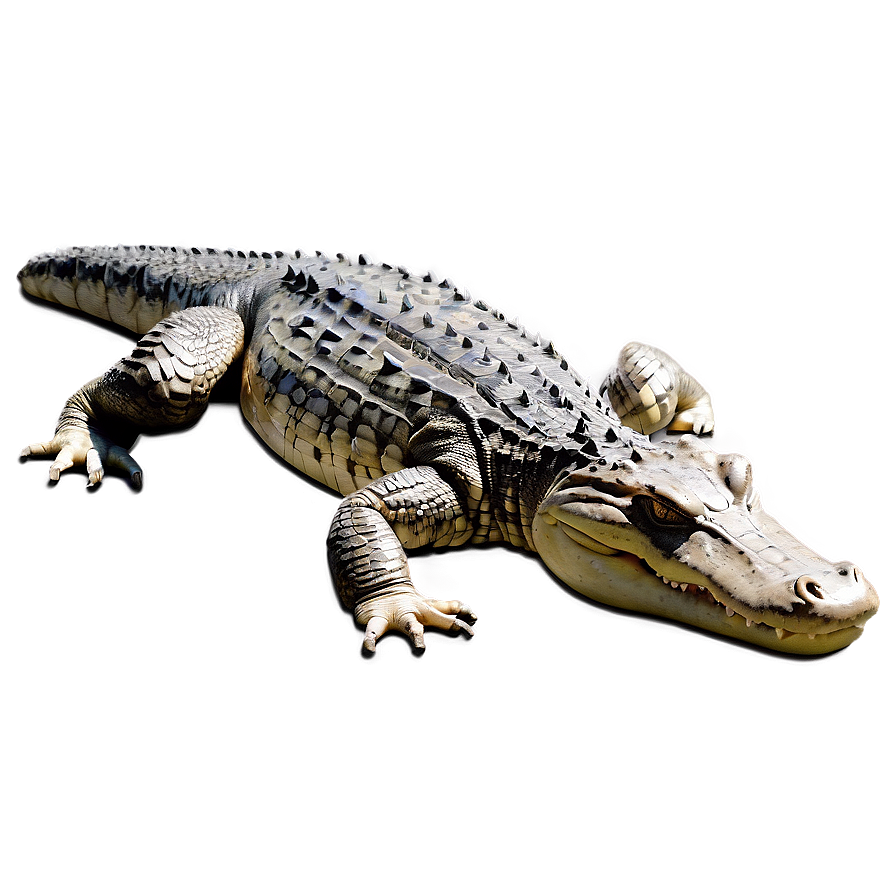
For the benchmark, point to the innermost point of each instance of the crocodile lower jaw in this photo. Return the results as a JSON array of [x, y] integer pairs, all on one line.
[[627, 581], [762, 633]]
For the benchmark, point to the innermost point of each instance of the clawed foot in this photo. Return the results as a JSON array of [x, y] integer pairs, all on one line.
[[409, 612], [86, 448], [698, 419]]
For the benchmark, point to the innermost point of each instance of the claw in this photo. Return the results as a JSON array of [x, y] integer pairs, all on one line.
[[375, 627], [88, 449], [410, 613]]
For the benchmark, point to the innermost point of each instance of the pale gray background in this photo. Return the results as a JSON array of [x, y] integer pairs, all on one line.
[[183, 702]]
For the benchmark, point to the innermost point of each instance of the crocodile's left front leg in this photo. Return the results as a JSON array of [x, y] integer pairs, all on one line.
[[406, 509]]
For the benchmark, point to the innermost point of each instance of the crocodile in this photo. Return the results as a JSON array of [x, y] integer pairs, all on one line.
[[441, 423]]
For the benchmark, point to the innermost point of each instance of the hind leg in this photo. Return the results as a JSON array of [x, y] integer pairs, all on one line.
[[651, 390], [164, 383]]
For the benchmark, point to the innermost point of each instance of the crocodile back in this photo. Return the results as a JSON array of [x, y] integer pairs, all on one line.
[[345, 356]]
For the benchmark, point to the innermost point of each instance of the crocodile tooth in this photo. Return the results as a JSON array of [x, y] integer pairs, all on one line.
[[749, 622], [780, 633], [811, 636], [665, 580], [729, 611], [674, 584]]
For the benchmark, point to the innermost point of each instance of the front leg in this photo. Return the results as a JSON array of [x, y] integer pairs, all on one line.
[[406, 509], [164, 383], [651, 390]]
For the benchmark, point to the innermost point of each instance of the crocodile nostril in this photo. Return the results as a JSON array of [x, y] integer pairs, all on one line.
[[807, 587], [850, 568]]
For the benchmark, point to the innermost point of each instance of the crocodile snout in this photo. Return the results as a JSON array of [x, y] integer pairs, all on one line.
[[839, 592]]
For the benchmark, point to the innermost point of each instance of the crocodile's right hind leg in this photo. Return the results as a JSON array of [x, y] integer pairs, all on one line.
[[164, 383], [650, 390]]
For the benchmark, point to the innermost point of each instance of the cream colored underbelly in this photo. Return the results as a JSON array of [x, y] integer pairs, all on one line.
[[336, 459]]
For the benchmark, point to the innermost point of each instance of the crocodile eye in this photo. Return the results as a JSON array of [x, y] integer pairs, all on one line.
[[664, 515]]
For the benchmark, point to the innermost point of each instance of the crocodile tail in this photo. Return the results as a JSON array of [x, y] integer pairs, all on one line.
[[137, 286]]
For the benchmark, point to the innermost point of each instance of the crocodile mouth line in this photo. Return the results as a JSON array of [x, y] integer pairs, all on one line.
[[700, 594]]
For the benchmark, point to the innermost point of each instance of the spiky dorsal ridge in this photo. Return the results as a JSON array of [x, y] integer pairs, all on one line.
[[297, 281]]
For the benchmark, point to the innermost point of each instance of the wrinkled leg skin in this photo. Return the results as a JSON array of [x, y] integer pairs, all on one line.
[[410, 508], [164, 383]]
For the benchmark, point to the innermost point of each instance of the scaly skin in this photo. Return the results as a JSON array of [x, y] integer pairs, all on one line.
[[444, 423]]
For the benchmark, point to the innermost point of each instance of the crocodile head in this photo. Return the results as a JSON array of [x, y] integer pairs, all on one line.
[[680, 532]]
